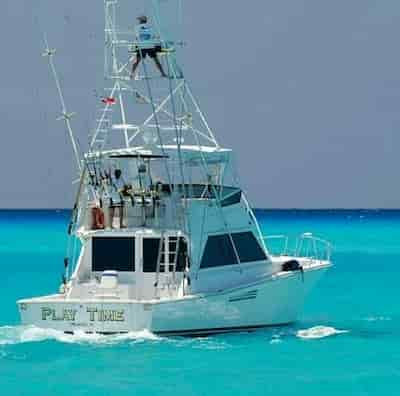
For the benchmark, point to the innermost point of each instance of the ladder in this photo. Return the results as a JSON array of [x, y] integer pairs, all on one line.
[[167, 261], [100, 134]]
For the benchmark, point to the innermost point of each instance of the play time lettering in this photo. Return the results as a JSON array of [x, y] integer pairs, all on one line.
[[95, 315]]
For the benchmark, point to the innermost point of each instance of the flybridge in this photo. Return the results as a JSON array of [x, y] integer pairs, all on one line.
[[146, 81]]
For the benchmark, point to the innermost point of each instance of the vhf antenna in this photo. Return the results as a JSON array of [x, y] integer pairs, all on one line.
[[49, 54]]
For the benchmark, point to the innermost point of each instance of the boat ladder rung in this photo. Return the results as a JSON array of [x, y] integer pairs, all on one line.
[[124, 78], [173, 248], [121, 88]]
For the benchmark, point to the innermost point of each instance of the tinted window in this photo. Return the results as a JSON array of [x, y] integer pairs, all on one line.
[[151, 247], [116, 254], [219, 250], [232, 199], [248, 247]]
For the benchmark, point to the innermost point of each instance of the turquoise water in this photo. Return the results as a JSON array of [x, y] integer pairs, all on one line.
[[355, 312]]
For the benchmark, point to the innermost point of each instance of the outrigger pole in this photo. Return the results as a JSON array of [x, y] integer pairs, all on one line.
[[49, 53]]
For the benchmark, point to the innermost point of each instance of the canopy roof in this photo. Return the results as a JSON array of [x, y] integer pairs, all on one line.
[[191, 155]]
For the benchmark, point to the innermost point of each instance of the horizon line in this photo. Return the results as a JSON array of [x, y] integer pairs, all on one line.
[[269, 208]]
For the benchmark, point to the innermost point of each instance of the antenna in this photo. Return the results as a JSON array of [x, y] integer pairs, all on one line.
[[49, 54]]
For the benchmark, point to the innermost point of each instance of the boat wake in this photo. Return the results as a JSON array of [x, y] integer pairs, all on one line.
[[11, 335], [319, 332], [377, 319]]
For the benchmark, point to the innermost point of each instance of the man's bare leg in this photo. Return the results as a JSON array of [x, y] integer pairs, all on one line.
[[135, 66], [111, 216], [121, 217], [159, 66]]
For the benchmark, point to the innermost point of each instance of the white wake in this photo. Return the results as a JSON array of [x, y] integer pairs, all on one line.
[[319, 332], [10, 335]]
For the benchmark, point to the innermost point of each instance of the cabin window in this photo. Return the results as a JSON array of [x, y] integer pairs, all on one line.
[[248, 247], [231, 198], [219, 250], [151, 248], [115, 254]]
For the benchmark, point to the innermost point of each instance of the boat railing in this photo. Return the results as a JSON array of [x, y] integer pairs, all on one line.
[[306, 246], [271, 242]]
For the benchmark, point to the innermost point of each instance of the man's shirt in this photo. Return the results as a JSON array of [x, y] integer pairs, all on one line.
[[145, 36]]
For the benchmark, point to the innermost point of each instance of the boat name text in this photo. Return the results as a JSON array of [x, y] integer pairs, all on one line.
[[95, 315]]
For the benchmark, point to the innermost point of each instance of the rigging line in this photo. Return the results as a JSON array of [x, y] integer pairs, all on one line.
[[187, 89], [75, 214], [252, 215], [75, 142], [162, 104], [171, 96], [157, 18], [123, 115], [177, 132], [201, 240], [160, 109], [185, 111], [178, 135], [112, 24], [171, 91], [103, 115], [147, 101], [218, 201], [106, 40], [201, 115], [159, 137], [185, 106], [157, 125]]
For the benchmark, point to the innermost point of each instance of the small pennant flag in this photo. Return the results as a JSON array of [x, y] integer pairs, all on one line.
[[109, 101]]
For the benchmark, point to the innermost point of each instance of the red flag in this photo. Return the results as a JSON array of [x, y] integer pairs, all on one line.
[[109, 101]]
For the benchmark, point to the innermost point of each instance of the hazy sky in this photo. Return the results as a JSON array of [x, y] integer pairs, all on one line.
[[307, 93]]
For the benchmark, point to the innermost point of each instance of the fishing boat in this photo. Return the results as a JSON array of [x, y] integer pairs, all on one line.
[[162, 237]]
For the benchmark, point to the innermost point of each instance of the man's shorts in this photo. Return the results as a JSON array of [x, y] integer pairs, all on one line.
[[151, 52]]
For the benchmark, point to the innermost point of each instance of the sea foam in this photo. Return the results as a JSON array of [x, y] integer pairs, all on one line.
[[319, 332], [10, 335]]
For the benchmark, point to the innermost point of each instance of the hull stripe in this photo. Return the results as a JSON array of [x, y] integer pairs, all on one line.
[[216, 330], [196, 332]]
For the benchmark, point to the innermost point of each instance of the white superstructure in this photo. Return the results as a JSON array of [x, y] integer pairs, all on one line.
[[168, 241]]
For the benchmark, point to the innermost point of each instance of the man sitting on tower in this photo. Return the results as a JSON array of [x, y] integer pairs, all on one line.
[[147, 45]]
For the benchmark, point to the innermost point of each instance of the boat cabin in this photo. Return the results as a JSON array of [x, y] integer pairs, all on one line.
[[145, 265]]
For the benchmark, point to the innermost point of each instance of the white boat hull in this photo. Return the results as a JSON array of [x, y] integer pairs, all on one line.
[[276, 300]]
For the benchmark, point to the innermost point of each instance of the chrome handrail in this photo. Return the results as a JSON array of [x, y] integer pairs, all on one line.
[[285, 238], [307, 246], [312, 247]]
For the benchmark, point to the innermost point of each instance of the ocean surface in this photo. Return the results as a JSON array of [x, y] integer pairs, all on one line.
[[346, 342]]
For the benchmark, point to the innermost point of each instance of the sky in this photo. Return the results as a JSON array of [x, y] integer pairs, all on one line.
[[306, 92]]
